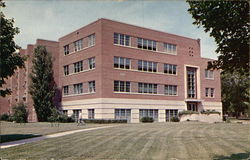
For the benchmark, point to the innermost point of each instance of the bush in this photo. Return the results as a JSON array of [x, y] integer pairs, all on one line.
[[101, 121], [147, 120], [56, 116], [20, 114], [210, 112], [187, 112], [175, 119], [4, 117]]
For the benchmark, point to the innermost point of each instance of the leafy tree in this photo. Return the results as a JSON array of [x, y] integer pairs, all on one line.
[[228, 23], [235, 93], [20, 114], [42, 88], [10, 60]]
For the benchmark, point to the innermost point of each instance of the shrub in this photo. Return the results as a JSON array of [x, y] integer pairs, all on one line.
[[4, 117], [175, 119], [20, 114], [147, 119], [56, 116], [105, 121], [187, 112], [210, 112]]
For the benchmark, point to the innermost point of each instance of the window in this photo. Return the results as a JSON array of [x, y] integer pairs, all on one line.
[[191, 82], [123, 114], [120, 62], [92, 86], [91, 113], [147, 66], [78, 45], [66, 70], [78, 89], [153, 113], [92, 63], [171, 90], [209, 74], [91, 40], [209, 92], [121, 86], [169, 48], [66, 49], [146, 44], [147, 88], [78, 67], [192, 107], [171, 113], [121, 39], [65, 90], [170, 69], [76, 114]]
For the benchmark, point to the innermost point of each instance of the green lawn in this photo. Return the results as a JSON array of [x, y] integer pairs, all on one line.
[[15, 131], [182, 141]]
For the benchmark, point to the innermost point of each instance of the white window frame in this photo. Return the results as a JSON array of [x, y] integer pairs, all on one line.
[[124, 86], [91, 86]]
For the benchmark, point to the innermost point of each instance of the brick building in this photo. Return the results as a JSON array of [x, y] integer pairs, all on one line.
[[109, 70]]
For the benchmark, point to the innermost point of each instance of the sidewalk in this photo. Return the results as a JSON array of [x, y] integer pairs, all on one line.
[[30, 140]]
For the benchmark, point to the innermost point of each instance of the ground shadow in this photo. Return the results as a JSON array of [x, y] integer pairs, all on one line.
[[236, 156], [14, 137]]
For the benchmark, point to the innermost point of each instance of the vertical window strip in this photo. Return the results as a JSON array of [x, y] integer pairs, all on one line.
[[66, 70], [91, 63], [66, 49], [91, 86]]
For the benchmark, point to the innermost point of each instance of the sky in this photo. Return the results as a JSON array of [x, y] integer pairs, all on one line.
[[52, 19]]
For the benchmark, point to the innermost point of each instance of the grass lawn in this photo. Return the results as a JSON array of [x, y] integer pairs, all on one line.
[[182, 141], [15, 131]]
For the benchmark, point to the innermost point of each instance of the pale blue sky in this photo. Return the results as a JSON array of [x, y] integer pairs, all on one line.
[[52, 19]]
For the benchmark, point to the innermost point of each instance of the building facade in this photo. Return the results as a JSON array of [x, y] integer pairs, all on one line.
[[113, 70], [19, 83]]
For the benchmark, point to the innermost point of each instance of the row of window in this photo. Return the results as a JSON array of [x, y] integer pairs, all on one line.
[[150, 88], [78, 88], [78, 66], [125, 40], [125, 114], [78, 45], [146, 66]]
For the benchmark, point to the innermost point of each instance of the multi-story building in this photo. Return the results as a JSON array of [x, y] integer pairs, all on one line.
[[19, 83], [113, 70]]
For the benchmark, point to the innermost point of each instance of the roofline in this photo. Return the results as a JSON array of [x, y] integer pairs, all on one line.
[[149, 29]]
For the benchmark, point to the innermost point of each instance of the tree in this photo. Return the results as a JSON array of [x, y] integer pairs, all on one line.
[[235, 93], [10, 60], [42, 88], [227, 22]]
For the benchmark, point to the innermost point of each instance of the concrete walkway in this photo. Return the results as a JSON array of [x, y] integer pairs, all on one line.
[[30, 140]]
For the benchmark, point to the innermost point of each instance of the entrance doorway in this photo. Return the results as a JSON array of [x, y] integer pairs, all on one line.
[[192, 106]]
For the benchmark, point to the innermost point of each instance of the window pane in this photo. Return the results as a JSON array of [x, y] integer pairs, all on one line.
[[127, 86], [140, 87], [115, 38], [154, 67], [145, 65], [127, 40], [140, 65], [150, 44], [127, 63], [174, 69], [121, 39], [116, 62], [116, 86], [154, 45], [139, 42], [122, 86], [145, 44], [121, 62]]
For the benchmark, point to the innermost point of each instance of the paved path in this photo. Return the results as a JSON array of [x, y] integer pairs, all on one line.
[[29, 140]]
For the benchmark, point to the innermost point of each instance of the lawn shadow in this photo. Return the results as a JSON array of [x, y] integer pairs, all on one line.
[[236, 156], [14, 137]]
